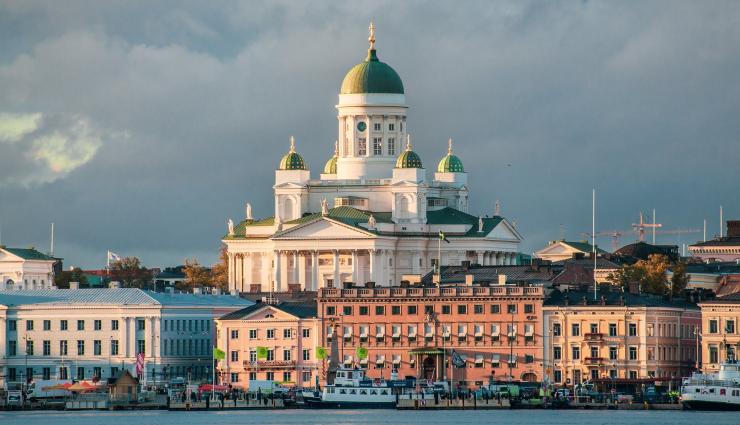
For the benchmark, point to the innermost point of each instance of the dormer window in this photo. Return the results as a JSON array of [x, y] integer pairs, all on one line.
[[377, 126]]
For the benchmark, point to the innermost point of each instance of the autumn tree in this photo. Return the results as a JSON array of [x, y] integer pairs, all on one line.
[[195, 274], [130, 273], [680, 278], [650, 274], [61, 280], [220, 270]]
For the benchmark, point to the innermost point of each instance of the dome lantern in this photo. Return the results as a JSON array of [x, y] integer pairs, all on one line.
[[292, 160], [450, 163], [409, 158]]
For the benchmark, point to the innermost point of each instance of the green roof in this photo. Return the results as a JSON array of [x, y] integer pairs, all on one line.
[[347, 215], [331, 165], [583, 246], [371, 76], [450, 215], [28, 253], [292, 161], [450, 164], [408, 159]]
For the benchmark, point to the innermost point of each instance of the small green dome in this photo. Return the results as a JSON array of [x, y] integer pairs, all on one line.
[[292, 160], [408, 158], [331, 166], [371, 76], [450, 163]]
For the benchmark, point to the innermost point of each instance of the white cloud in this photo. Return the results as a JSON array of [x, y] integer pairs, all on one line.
[[13, 127]]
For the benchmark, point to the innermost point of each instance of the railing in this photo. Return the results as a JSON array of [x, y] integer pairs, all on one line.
[[594, 360], [593, 336], [397, 291]]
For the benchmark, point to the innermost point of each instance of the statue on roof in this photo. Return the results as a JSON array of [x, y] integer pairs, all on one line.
[[371, 222], [324, 207], [230, 225], [497, 209], [248, 211], [480, 224]]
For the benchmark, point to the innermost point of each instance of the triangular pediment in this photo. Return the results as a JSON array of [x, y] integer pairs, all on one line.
[[324, 228], [504, 230], [558, 249], [269, 312], [8, 256]]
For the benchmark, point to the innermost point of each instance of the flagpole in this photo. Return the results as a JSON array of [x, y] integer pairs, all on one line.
[[213, 366]]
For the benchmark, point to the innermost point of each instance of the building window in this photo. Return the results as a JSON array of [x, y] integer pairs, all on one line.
[[234, 356], [114, 347], [98, 325], [377, 146], [633, 374], [306, 332], [528, 308], [362, 146], [287, 355], [306, 354], [140, 346], [612, 329], [114, 325], [556, 329], [12, 375], [575, 329], [331, 310], [391, 145], [633, 353], [495, 309], [47, 348], [558, 375], [396, 310], [347, 310], [364, 310], [478, 309], [377, 126], [556, 353], [12, 348], [271, 334], [47, 325], [462, 309], [613, 353], [80, 325], [63, 325], [594, 328], [253, 334], [287, 333], [632, 329], [63, 348], [391, 127], [80, 347], [29, 325], [252, 376], [713, 354], [46, 373], [511, 308], [234, 377], [97, 347], [234, 334], [528, 358], [270, 355], [81, 373], [446, 309], [730, 327], [306, 376], [411, 309], [141, 325], [576, 353], [287, 376], [379, 310]]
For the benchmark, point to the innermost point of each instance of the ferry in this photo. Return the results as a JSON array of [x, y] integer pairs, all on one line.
[[352, 389], [714, 391]]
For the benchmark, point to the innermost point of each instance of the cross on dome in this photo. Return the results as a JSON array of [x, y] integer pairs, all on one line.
[[371, 39], [292, 144], [449, 146], [408, 142]]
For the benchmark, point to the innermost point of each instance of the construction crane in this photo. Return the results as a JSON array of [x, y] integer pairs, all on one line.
[[641, 226]]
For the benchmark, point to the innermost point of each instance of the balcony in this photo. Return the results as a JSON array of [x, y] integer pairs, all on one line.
[[266, 364], [594, 360], [593, 336]]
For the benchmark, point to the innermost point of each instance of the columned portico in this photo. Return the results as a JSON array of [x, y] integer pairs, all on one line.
[[277, 274], [335, 280]]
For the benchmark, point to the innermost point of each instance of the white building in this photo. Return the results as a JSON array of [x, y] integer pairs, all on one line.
[[25, 268], [373, 214], [88, 333], [566, 250]]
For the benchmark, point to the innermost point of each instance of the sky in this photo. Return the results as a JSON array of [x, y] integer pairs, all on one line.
[[140, 127]]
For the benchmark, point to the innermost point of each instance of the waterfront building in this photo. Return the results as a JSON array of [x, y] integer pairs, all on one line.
[[413, 330], [96, 333], [724, 248], [720, 339], [288, 333], [563, 250], [373, 214], [25, 268], [618, 337]]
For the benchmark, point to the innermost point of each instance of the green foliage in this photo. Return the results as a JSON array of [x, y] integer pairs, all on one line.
[[130, 273], [62, 279], [650, 275]]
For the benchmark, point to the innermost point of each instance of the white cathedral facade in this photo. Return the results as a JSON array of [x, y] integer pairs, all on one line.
[[372, 215]]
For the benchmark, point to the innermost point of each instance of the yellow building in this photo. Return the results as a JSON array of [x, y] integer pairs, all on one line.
[[617, 337], [719, 337]]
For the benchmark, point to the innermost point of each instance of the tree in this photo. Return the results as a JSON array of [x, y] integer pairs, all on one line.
[[195, 274], [680, 278], [61, 280], [220, 271], [650, 274], [130, 273]]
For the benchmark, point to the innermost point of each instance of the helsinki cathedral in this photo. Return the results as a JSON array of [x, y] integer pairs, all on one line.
[[373, 214]]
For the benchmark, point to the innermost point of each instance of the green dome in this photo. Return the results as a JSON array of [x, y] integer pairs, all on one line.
[[450, 164], [331, 166], [408, 159], [292, 160], [371, 76]]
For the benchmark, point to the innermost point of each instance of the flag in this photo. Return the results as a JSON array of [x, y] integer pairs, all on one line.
[[321, 353], [361, 353], [218, 354], [261, 353], [112, 256], [443, 237], [457, 359], [140, 364]]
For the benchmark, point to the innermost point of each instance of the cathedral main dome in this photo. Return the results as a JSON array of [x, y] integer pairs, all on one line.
[[371, 75]]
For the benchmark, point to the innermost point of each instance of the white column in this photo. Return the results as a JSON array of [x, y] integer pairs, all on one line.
[[354, 266], [230, 257], [480, 257], [384, 270], [126, 338], [249, 269], [302, 270], [265, 269], [314, 270], [3, 337], [295, 267], [373, 275], [276, 275], [337, 283]]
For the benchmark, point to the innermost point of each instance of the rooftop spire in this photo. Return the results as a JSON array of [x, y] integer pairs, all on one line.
[[408, 142], [292, 144], [449, 146], [371, 39]]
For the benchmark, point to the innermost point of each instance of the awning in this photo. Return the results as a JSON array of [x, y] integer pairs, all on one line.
[[427, 350]]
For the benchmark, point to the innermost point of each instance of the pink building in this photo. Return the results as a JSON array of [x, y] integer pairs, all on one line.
[[288, 331]]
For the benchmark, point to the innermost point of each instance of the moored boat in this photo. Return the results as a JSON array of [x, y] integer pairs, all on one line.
[[714, 391]]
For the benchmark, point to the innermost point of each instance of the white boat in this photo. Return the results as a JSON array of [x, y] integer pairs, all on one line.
[[352, 389], [713, 391]]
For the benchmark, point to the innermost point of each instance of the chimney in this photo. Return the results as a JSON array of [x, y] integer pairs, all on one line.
[[469, 278], [196, 291], [502, 279], [74, 285], [114, 284]]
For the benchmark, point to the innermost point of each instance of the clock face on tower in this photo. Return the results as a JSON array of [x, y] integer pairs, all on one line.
[[361, 126]]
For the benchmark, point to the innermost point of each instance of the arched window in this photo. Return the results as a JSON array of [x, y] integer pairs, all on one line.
[[288, 209]]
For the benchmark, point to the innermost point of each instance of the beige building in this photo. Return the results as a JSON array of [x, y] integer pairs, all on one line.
[[619, 336], [289, 333], [720, 339]]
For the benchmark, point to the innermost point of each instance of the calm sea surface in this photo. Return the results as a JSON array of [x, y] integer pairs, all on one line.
[[325, 417]]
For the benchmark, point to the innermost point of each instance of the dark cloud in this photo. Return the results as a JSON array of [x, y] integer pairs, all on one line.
[[193, 106]]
